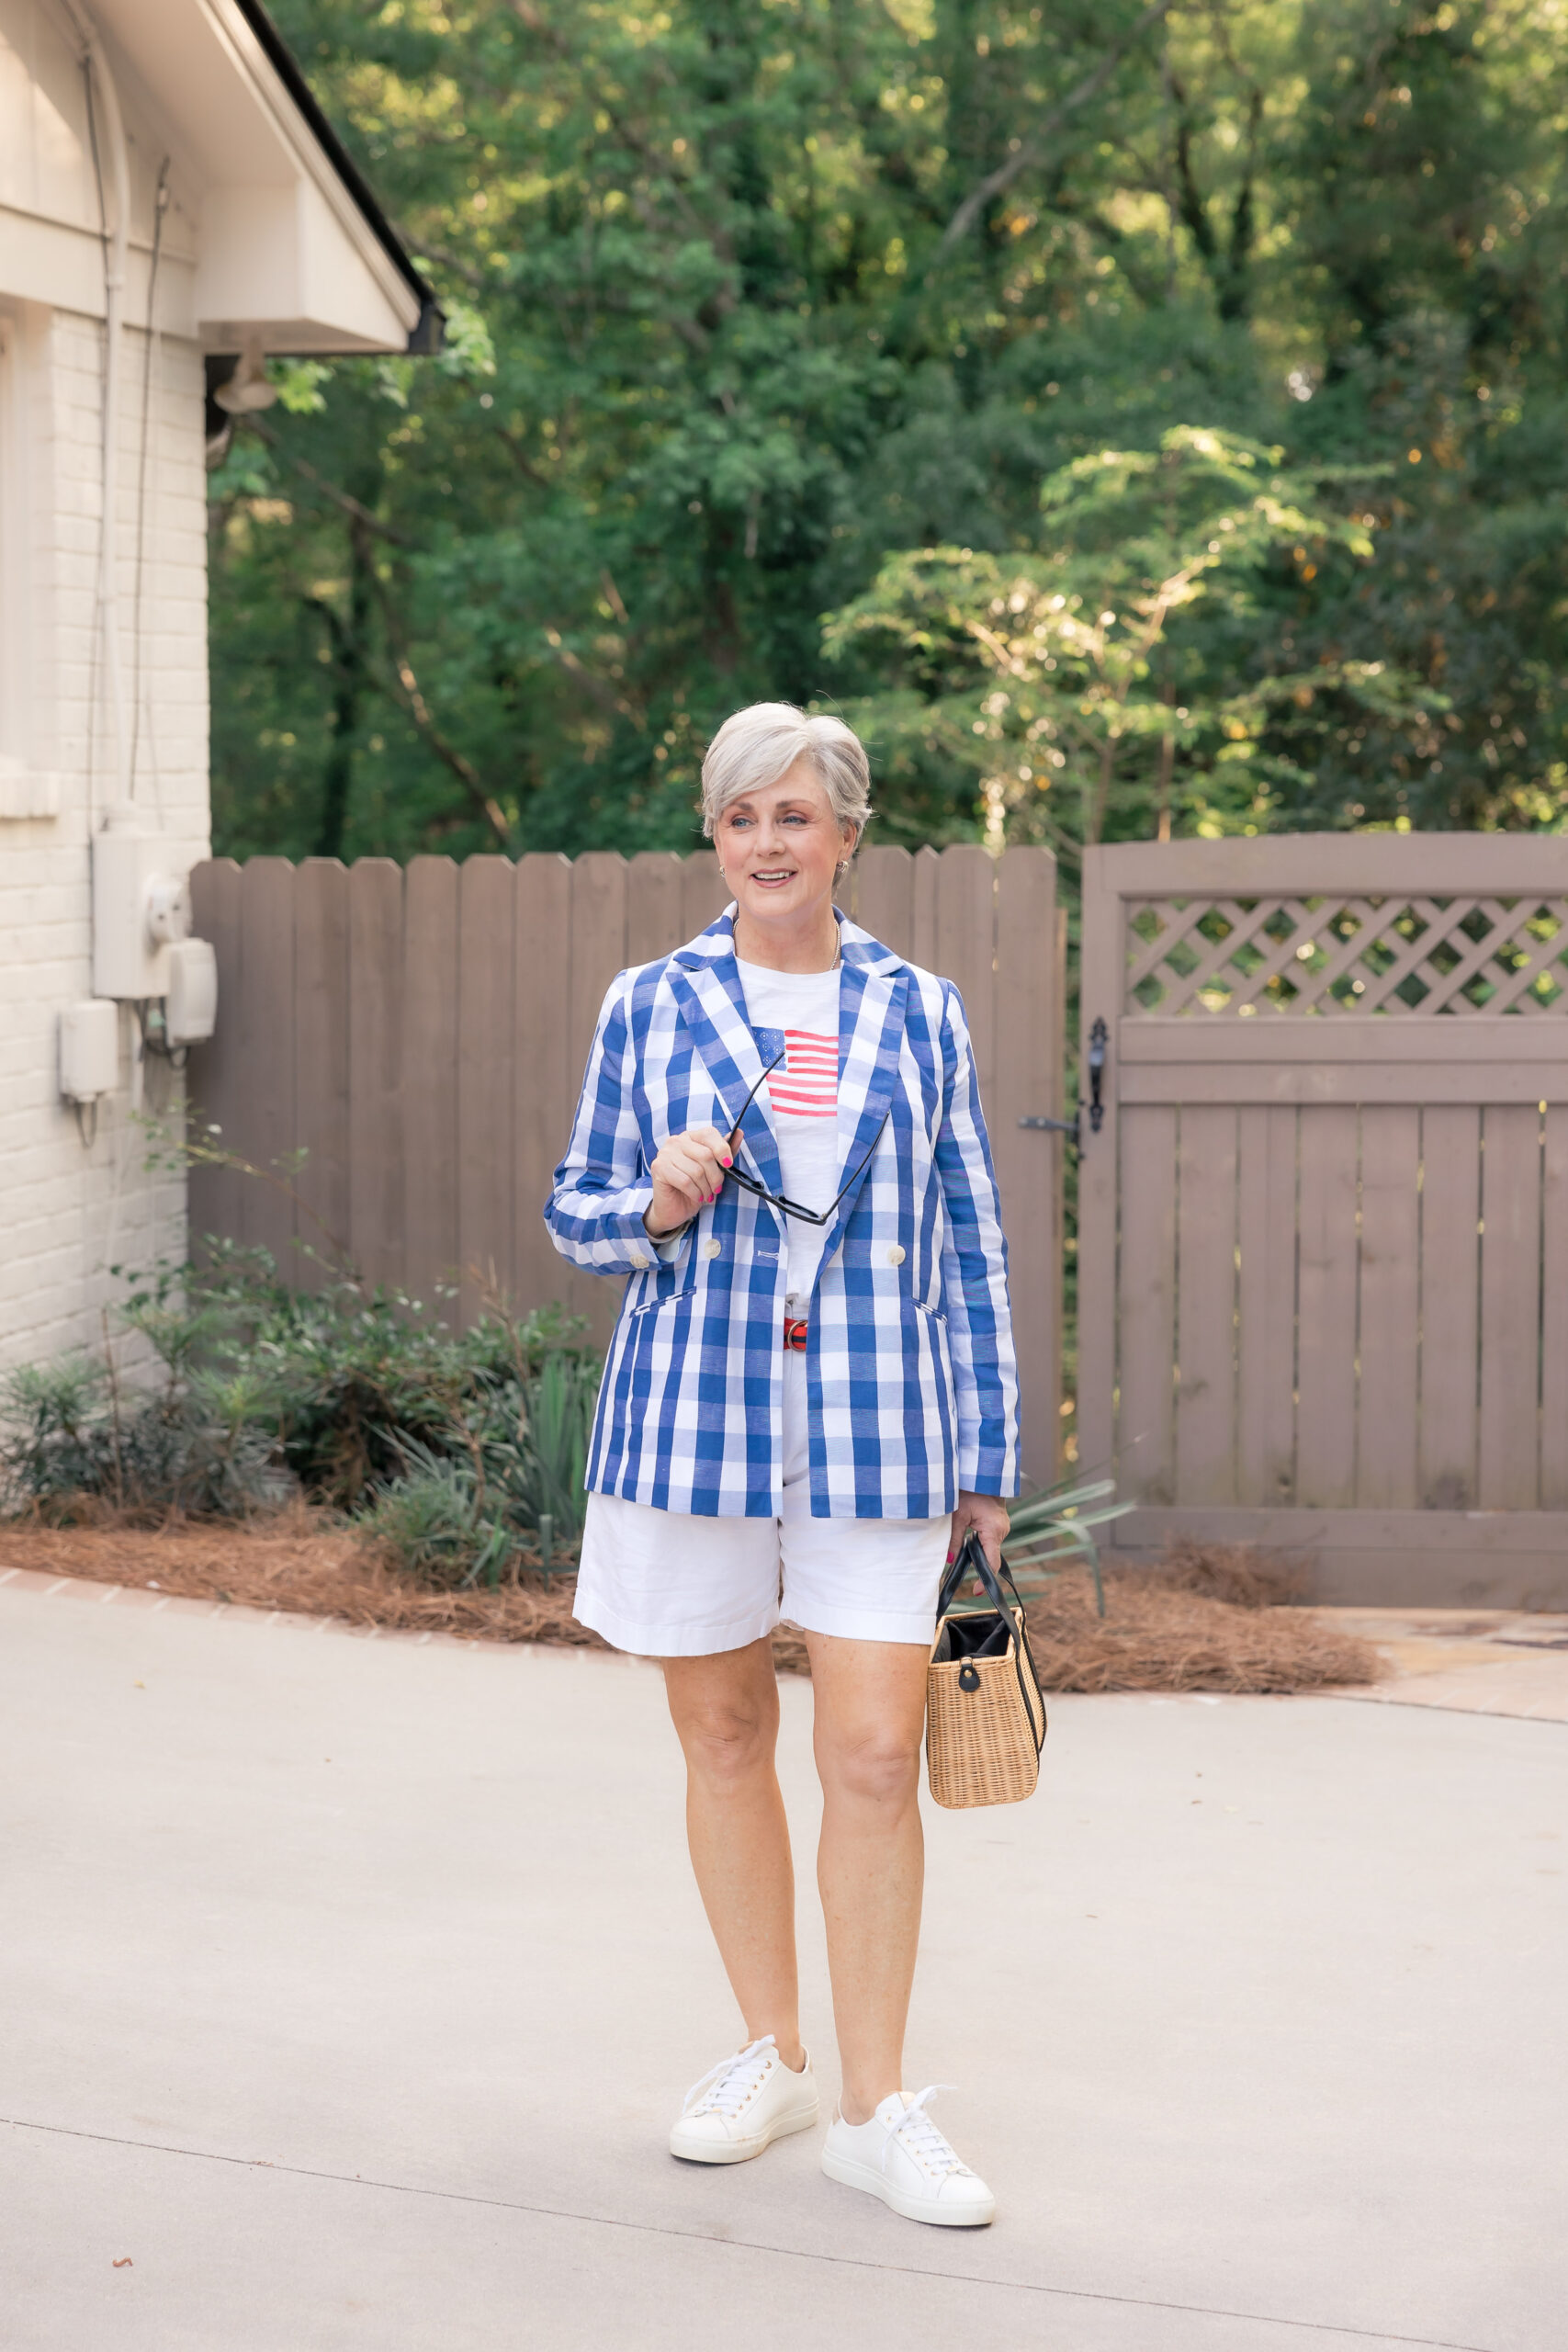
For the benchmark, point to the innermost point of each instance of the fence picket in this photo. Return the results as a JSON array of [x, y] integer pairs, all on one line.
[[322, 1066], [1450, 1212], [923, 947], [1145, 1323], [966, 946], [430, 1077], [1510, 1306], [375, 1069], [486, 995], [267, 1130], [1266, 1372], [1206, 1304], [1390, 1253], [1326, 1419], [884, 896], [704, 894], [654, 906], [548, 1063], [598, 952]]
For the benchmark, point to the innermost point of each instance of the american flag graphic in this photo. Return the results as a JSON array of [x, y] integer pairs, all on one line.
[[808, 1086]]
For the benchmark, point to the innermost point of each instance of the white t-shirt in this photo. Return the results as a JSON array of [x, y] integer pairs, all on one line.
[[801, 1010]]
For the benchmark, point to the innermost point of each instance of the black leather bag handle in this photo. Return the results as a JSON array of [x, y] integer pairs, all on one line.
[[971, 1562]]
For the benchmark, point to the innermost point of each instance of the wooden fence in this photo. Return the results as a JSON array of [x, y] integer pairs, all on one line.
[[420, 1034]]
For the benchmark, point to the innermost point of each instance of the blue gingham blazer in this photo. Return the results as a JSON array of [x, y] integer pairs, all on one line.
[[910, 1374]]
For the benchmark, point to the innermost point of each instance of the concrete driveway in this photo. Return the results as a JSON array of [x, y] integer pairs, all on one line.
[[348, 1987]]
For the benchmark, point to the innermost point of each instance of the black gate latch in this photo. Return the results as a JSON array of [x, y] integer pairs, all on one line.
[[1099, 1039]]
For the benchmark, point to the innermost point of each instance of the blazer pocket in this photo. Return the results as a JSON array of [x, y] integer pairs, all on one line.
[[673, 1286], [926, 1330]]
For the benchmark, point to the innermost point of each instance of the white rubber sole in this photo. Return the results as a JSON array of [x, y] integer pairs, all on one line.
[[694, 2149], [876, 2183]]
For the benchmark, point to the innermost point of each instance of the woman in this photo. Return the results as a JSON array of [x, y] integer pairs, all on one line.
[[808, 1401]]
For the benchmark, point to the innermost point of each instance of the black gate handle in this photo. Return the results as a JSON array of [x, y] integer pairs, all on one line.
[[1099, 1040]]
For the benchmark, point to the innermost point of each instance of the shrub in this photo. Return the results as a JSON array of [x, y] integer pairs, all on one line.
[[460, 1450], [440, 1525], [68, 1439], [506, 1475]]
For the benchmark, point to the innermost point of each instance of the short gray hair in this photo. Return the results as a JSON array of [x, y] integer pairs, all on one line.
[[756, 746]]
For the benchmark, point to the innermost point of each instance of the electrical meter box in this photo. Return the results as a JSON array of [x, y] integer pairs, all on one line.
[[89, 1049], [190, 1007], [139, 908]]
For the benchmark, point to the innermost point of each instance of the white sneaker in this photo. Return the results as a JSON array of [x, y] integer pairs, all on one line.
[[741, 2103], [901, 2157]]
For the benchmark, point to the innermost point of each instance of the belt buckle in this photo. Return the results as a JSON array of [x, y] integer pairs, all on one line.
[[795, 1331]]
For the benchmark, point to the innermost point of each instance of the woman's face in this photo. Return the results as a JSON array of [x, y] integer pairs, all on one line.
[[780, 849]]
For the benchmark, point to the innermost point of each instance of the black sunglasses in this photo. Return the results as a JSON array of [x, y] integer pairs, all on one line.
[[778, 1200]]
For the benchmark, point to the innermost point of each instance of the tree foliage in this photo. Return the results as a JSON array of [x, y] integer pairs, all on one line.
[[791, 341], [1071, 673]]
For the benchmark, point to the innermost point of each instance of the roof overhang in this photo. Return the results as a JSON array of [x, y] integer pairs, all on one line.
[[293, 254]]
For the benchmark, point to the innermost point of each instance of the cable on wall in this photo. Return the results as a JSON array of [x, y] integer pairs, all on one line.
[[86, 64], [115, 247], [149, 381]]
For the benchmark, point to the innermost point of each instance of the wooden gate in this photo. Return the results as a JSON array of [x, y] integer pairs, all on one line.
[[1323, 1260]]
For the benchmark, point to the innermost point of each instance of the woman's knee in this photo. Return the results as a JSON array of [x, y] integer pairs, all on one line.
[[726, 1720], [725, 1744], [877, 1764]]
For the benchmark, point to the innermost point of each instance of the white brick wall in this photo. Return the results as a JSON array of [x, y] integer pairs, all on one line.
[[67, 1211]]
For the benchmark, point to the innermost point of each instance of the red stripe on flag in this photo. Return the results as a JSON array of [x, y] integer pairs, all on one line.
[[808, 1086]]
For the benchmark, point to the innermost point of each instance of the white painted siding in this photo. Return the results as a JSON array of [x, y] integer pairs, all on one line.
[[66, 1211]]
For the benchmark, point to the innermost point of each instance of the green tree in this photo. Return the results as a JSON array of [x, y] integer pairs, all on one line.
[[1108, 681]]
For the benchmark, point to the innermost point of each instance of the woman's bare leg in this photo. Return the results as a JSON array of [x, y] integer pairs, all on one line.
[[726, 1712], [871, 1706]]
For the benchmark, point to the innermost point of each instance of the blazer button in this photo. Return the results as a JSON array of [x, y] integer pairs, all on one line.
[[713, 1246], [896, 1255]]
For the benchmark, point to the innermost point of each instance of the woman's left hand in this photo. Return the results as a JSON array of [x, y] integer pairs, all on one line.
[[988, 1517]]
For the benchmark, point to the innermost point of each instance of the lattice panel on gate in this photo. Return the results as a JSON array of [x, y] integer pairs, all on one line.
[[1325, 956]]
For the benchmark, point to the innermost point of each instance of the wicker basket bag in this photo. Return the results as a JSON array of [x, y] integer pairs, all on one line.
[[985, 1717]]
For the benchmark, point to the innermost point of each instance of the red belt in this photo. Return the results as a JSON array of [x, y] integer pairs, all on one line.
[[795, 1331]]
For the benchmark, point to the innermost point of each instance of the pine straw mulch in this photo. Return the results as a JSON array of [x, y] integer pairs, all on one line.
[[1210, 1618], [298, 1560]]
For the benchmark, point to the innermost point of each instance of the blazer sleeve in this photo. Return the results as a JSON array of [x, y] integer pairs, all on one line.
[[602, 1188], [974, 1276]]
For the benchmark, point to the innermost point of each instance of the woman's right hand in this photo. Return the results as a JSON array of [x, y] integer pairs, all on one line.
[[687, 1173]]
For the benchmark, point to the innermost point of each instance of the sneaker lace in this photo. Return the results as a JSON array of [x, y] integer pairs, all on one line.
[[724, 2088], [929, 2147]]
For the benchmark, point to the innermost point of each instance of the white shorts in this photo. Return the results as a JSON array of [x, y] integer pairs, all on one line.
[[670, 1583]]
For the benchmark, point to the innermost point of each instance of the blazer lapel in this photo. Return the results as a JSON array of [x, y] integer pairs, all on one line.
[[872, 995], [706, 986]]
